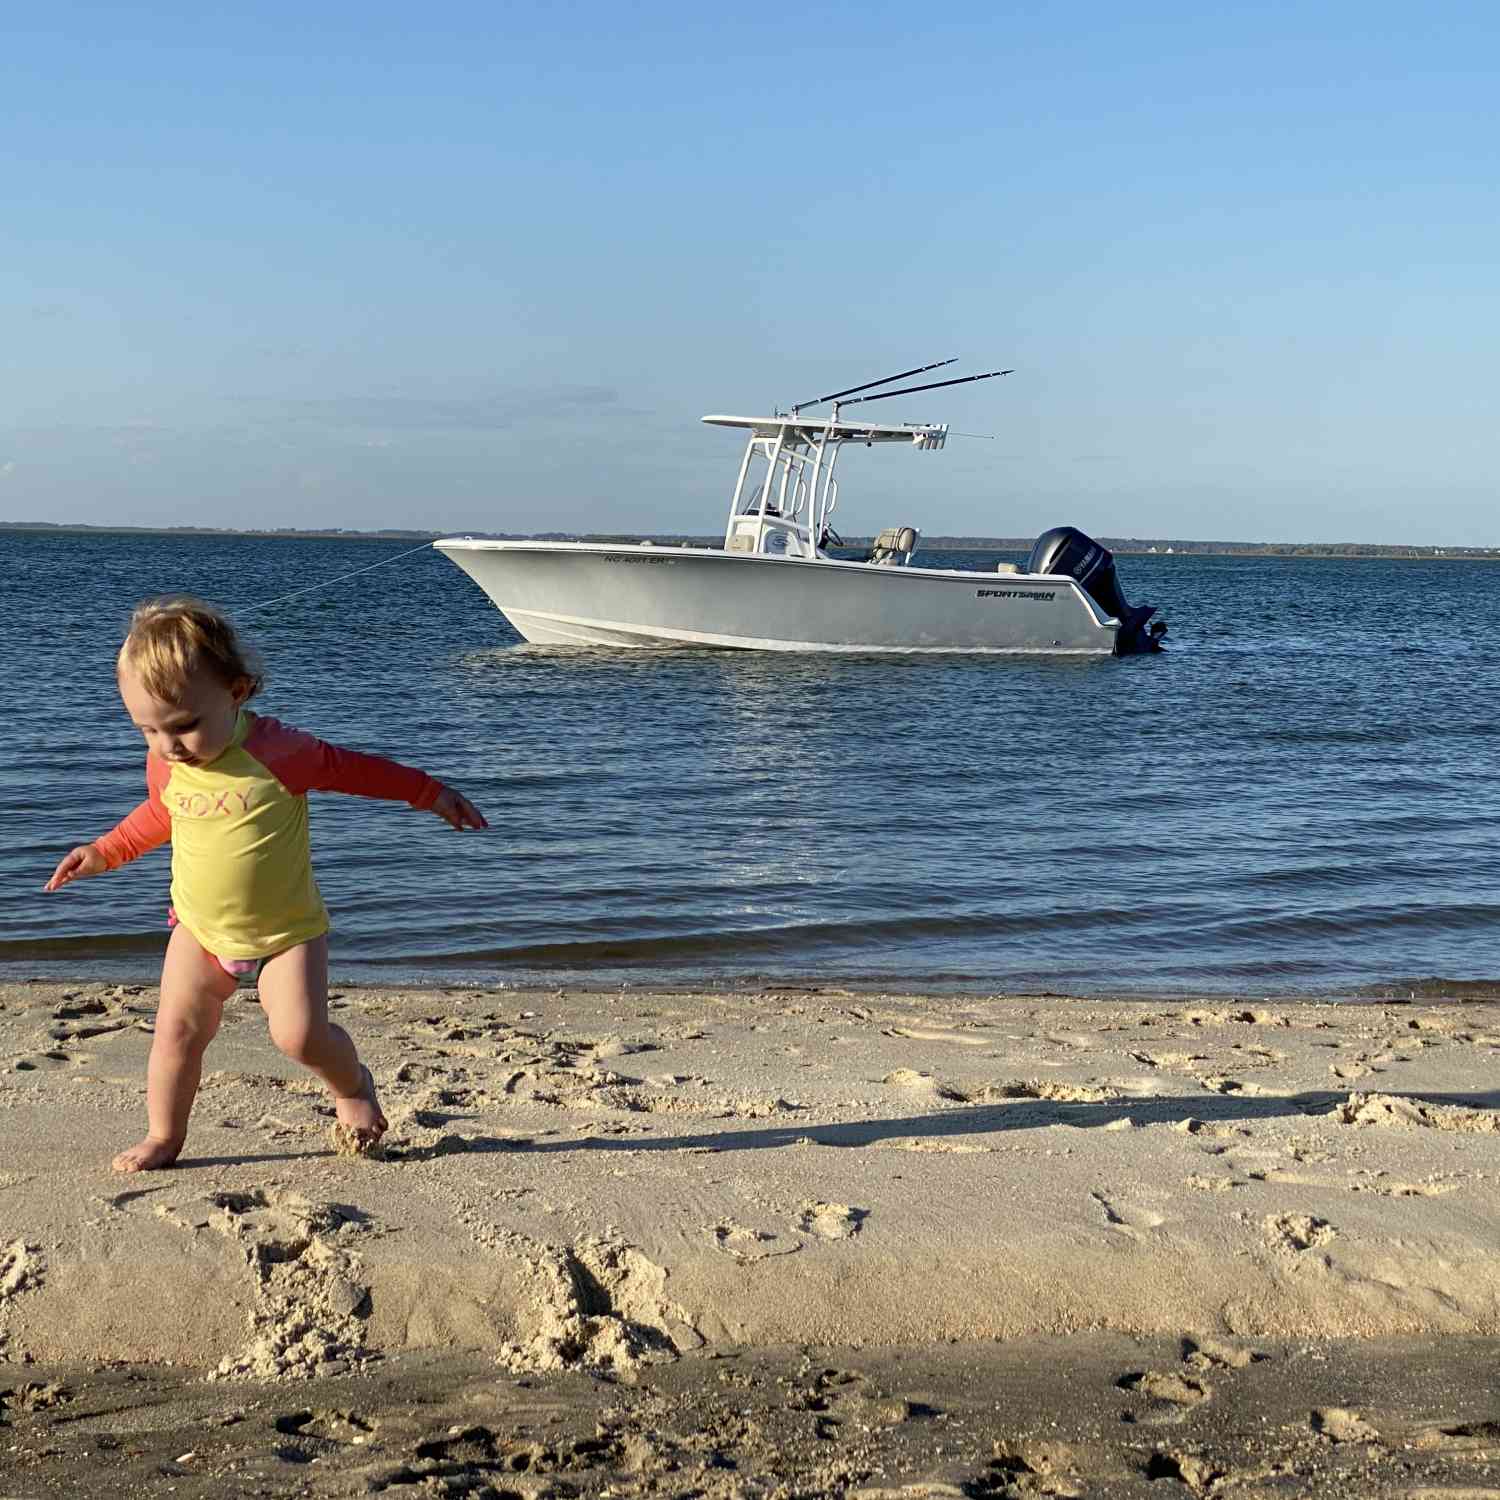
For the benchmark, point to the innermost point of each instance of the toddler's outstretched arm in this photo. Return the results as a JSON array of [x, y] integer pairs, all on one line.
[[145, 828], [457, 811], [77, 864], [302, 762]]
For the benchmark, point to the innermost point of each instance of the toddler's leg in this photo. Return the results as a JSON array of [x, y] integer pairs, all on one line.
[[193, 991], [294, 996]]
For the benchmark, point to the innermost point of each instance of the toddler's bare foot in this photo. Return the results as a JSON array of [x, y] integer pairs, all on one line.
[[147, 1155], [359, 1114]]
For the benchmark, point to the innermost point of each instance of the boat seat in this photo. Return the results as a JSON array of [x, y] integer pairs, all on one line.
[[893, 546], [1007, 567]]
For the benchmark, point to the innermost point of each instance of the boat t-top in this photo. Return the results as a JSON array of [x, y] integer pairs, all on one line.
[[773, 585]]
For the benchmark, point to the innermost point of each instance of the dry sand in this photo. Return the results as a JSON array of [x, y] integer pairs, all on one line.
[[793, 1242]]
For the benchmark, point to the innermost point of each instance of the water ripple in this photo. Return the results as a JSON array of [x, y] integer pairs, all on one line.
[[1302, 795]]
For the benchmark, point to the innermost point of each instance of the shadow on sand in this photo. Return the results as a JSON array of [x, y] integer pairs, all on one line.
[[1021, 1114]]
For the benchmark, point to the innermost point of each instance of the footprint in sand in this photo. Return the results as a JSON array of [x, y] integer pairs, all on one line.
[[1234, 1018], [1028, 1467], [1206, 1131], [925, 1085], [1127, 1218], [916, 1034], [1258, 1057], [1401, 1112], [1166, 1385], [1433, 1188], [1340, 1425], [1173, 1062], [740, 1242], [1200, 1475], [1460, 1437], [1203, 1353], [1032, 1088], [74, 1007], [81, 1031], [309, 1301], [1296, 1232], [1206, 1184], [839, 1398], [831, 1221], [598, 1304], [1287, 1178], [1172, 1396], [1219, 1083], [35, 1395], [328, 1426], [596, 1049], [31, 1062], [21, 1268]]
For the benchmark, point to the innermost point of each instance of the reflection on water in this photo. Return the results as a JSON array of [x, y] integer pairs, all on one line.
[[1300, 795]]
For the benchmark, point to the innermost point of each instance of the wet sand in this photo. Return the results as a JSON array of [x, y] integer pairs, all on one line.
[[794, 1242], [1095, 1415]]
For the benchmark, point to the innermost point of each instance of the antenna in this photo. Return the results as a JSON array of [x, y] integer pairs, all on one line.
[[934, 385], [920, 370]]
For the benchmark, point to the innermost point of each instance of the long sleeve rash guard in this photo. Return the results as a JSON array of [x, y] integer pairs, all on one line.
[[242, 878]]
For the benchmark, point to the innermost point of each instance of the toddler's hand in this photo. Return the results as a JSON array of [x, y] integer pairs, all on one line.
[[456, 810], [77, 864]]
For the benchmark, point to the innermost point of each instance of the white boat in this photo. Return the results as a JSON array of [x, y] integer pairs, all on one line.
[[773, 586]]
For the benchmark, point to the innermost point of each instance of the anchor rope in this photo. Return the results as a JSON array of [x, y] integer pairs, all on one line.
[[329, 582]]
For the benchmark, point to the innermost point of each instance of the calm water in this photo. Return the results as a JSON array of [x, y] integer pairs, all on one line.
[[1302, 796]]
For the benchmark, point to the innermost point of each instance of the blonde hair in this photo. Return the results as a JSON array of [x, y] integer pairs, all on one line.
[[173, 638]]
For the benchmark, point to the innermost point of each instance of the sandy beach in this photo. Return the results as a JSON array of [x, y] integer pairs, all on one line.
[[787, 1242]]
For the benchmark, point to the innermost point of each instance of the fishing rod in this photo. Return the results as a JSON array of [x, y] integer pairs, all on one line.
[[931, 386], [870, 384]]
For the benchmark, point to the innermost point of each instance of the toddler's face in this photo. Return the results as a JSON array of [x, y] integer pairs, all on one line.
[[193, 730]]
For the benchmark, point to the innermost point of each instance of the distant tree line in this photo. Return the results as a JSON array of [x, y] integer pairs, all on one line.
[[1159, 545]]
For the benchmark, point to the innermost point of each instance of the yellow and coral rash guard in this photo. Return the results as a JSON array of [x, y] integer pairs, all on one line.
[[242, 878]]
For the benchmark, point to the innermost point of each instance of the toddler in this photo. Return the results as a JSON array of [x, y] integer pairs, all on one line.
[[229, 789]]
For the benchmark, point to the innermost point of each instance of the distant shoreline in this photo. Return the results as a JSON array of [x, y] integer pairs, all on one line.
[[1130, 547]]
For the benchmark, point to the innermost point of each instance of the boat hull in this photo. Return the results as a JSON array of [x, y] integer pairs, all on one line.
[[587, 594]]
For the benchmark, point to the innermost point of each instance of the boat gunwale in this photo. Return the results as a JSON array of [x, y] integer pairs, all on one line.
[[718, 554]]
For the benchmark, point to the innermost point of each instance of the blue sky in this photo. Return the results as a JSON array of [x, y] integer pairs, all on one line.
[[483, 267]]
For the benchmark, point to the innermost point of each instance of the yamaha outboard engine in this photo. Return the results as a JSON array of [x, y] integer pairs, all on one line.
[[1067, 551]]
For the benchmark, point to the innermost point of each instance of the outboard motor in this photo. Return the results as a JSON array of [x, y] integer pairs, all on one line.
[[1067, 551]]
